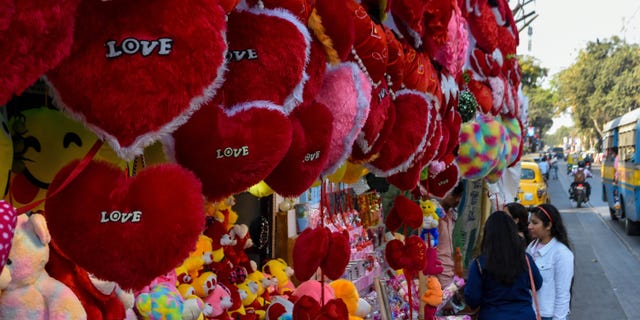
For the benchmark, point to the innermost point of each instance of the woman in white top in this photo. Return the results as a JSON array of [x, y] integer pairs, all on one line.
[[553, 257]]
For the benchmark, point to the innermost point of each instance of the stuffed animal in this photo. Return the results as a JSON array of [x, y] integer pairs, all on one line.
[[193, 306], [5, 279], [344, 289], [249, 290], [433, 295], [279, 307], [218, 303], [205, 284], [162, 302], [279, 269], [32, 293], [242, 240], [223, 212], [201, 256], [431, 214], [266, 285]]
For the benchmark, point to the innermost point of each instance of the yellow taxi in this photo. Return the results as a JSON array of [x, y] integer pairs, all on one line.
[[533, 188]]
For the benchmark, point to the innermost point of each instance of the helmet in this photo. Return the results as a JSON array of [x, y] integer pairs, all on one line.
[[581, 164]]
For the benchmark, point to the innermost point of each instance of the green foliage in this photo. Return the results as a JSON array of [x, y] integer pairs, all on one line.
[[542, 102], [532, 73], [602, 84], [555, 139]]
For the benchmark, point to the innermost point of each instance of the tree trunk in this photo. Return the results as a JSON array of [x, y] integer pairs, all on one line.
[[596, 125]]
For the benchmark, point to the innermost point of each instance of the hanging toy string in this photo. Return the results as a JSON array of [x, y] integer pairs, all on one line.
[[323, 206]]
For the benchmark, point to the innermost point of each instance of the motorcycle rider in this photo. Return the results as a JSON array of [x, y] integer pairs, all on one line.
[[580, 175]]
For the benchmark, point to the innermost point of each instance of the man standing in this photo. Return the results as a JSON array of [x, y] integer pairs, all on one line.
[[544, 168]]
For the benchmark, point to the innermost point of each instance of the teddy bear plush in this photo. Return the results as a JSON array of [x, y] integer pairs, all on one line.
[[32, 293], [431, 215]]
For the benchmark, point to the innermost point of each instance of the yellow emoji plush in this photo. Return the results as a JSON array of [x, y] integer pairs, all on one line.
[[48, 141]]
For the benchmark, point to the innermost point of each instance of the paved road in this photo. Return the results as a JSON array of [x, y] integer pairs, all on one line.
[[607, 271]]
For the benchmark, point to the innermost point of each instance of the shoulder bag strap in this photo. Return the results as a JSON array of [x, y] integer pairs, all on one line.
[[533, 289]]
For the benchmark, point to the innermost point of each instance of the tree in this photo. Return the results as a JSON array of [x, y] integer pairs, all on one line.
[[557, 138], [532, 73], [542, 102], [601, 85]]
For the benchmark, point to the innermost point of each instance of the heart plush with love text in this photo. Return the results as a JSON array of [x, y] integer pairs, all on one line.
[[439, 184], [26, 53], [312, 125], [126, 229], [133, 80], [233, 149], [268, 54]]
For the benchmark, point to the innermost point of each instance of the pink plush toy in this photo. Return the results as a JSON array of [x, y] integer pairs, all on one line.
[[32, 293], [217, 303]]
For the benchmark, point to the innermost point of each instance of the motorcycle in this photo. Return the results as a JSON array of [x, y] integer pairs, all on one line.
[[579, 194]]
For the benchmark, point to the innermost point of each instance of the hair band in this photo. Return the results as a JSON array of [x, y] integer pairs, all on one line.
[[545, 213]]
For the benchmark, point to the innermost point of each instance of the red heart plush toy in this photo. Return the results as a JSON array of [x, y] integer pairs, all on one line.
[[439, 184], [233, 149], [26, 53], [7, 9], [126, 229], [312, 126], [309, 251], [132, 79], [259, 42], [409, 135]]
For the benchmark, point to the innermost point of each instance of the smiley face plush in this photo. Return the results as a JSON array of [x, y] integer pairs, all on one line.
[[6, 154], [51, 140]]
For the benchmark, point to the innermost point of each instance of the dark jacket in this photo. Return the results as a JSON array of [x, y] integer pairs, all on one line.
[[497, 301]]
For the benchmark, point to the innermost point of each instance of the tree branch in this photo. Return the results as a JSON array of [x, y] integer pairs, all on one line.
[[524, 26], [596, 125]]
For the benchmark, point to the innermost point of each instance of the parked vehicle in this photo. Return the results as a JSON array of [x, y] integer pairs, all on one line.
[[621, 170], [558, 152], [533, 189]]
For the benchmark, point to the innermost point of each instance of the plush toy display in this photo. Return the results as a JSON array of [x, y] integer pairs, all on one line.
[[32, 294], [139, 135]]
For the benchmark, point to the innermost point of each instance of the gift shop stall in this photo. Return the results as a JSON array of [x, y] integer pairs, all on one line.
[[255, 159]]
